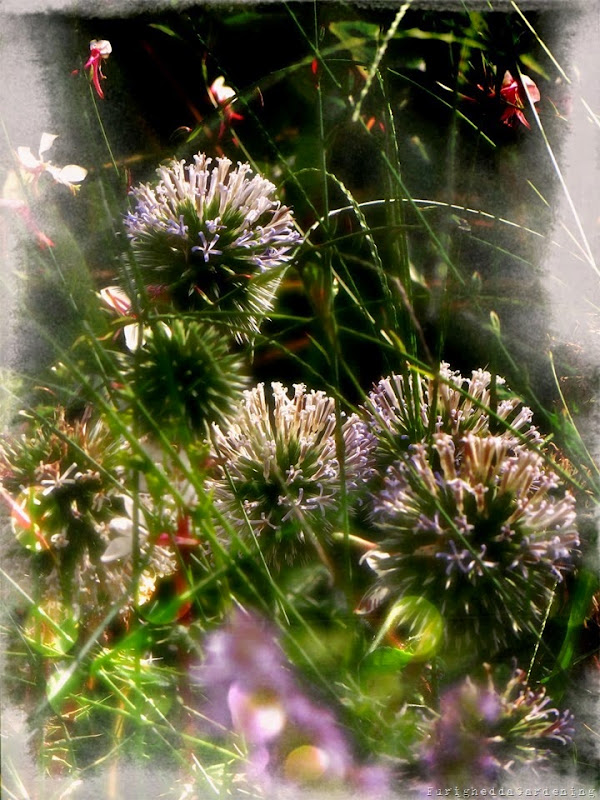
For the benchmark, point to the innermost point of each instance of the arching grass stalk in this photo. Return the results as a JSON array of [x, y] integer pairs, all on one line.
[[578, 224]]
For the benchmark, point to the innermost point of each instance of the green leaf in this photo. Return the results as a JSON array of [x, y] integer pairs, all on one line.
[[532, 65], [586, 587], [164, 29], [383, 661], [159, 612], [244, 18], [360, 38], [138, 641]]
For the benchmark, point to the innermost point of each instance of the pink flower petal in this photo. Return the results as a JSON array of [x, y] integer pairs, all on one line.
[[114, 297], [531, 89]]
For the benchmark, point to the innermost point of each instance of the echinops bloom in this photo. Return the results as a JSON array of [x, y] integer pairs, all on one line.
[[278, 471], [214, 237], [482, 730], [481, 528], [405, 408], [184, 375], [66, 513]]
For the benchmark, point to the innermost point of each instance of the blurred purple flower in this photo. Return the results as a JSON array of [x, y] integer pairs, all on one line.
[[482, 731], [250, 690]]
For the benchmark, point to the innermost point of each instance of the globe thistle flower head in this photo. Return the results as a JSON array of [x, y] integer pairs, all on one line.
[[279, 472], [405, 408], [213, 236], [185, 375], [49, 445], [63, 478], [482, 731], [481, 528], [57, 468]]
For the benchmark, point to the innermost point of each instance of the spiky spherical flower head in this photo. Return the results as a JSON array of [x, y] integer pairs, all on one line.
[[483, 529], [278, 471], [54, 442], [405, 408], [65, 460], [213, 236], [482, 731], [61, 481], [185, 376]]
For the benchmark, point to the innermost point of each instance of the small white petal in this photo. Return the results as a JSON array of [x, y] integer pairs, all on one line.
[[103, 46], [27, 159], [121, 526], [114, 297], [69, 175], [47, 141], [221, 92], [134, 336], [117, 548]]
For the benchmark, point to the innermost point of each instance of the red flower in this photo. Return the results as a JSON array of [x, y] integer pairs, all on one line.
[[99, 49], [512, 94]]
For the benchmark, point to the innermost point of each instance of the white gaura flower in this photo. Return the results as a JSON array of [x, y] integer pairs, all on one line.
[[223, 96], [71, 175], [118, 301], [121, 533], [220, 93], [100, 49]]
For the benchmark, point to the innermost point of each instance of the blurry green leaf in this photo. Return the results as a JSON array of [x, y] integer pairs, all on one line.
[[164, 29], [29, 538], [25, 510], [384, 660], [244, 18], [533, 65], [420, 624], [159, 612], [448, 38], [586, 587], [137, 642], [360, 38]]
